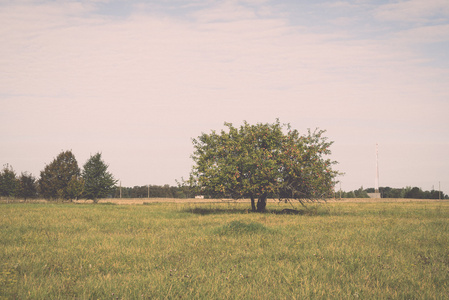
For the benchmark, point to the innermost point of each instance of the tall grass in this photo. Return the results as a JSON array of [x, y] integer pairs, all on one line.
[[338, 250]]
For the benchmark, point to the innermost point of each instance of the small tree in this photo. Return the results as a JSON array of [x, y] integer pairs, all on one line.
[[361, 193], [56, 176], [8, 182], [98, 182], [257, 161], [27, 186]]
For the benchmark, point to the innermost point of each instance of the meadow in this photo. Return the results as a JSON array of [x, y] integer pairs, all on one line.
[[366, 250]]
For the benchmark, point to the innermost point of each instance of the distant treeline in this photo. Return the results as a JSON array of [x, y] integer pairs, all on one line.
[[167, 191], [388, 192], [26, 186], [153, 191]]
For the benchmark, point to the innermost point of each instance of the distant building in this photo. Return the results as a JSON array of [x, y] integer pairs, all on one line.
[[199, 197], [374, 195]]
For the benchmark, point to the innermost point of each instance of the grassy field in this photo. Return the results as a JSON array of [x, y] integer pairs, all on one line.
[[369, 250]]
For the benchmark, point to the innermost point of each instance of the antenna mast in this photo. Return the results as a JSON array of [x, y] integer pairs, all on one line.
[[376, 184]]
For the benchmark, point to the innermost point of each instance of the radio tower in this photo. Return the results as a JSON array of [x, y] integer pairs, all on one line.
[[376, 183]]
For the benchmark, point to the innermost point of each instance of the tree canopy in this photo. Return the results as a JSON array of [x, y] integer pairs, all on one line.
[[257, 161], [8, 181], [98, 182], [27, 186], [56, 176]]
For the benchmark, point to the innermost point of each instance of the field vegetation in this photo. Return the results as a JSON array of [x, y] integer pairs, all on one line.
[[366, 250]]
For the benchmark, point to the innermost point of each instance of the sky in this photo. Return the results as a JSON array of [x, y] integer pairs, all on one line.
[[137, 80]]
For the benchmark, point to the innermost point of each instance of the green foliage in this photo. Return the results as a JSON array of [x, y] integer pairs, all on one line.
[[98, 182], [360, 193], [418, 193], [56, 176], [8, 182], [27, 186], [154, 191], [75, 187], [257, 161], [388, 192]]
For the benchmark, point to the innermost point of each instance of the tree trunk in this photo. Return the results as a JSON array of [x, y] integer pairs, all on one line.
[[253, 204], [262, 203]]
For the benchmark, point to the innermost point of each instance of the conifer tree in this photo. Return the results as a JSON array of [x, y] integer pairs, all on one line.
[[98, 182], [27, 186], [56, 176], [8, 182]]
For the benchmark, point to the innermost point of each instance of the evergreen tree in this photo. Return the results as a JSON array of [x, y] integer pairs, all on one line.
[[75, 188], [27, 186], [8, 182], [98, 182], [56, 176]]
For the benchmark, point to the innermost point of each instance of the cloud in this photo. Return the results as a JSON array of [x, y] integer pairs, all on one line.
[[225, 12], [160, 58], [143, 84], [414, 11], [424, 34]]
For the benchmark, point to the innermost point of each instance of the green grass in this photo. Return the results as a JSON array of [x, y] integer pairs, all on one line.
[[220, 251]]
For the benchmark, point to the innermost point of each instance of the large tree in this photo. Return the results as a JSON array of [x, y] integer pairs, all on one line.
[[56, 176], [98, 182], [262, 160]]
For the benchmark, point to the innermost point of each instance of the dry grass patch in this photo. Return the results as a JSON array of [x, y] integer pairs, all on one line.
[[364, 250]]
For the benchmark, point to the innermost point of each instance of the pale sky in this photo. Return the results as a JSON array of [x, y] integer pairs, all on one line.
[[136, 80]]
